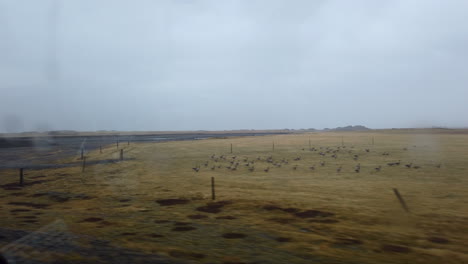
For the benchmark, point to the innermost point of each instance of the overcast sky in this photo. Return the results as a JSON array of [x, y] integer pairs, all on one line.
[[244, 64]]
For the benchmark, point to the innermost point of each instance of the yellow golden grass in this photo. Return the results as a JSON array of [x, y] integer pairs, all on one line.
[[368, 224]]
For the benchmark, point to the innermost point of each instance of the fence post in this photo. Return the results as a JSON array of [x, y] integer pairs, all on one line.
[[21, 176], [402, 202], [84, 164], [213, 196], [121, 154]]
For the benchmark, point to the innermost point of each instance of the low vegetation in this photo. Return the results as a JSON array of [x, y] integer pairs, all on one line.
[[300, 198]]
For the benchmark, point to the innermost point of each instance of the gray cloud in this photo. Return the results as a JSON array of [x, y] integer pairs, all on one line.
[[184, 65]]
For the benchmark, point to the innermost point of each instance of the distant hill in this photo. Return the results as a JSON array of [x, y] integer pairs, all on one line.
[[348, 128]]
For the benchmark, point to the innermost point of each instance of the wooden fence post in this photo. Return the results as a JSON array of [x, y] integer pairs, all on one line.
[[213, 196], [121, 154], [21, 176], [402, 202], [84, 164]]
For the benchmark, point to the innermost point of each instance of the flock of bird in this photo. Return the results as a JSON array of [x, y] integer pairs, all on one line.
[[234, 162]]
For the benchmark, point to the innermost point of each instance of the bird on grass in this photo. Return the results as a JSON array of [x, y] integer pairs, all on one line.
[[377, 169], [358, 168], [196, 169]]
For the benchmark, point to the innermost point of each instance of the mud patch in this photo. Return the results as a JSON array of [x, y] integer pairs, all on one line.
[[395, 249], [348, 241], [282, 220], [161, 221], [17, 194], [227, 217], [313, 214], [155, 235], [272, 207], [29, 221], [197, 216], [92, 219], [234, 235], [183, 228], [213, 208], [168, 202], [181, 223], [62, 196], [17, 186], [34, 205], [28, 217], [283, 239], [324, 221], [37, 177], [438, 240], [128, 234], [19, 210], [186, 255]]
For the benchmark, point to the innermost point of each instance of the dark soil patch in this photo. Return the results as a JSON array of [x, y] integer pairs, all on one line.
[[234, 235], [128, 234], [29, 221], [17, 194], [183, 228], [155, 235], [124, 200], [438, 240], [227, 217], [324, 221], [291, 210], [168, 202], [313, 213], [105, 223], [38, 194], [283, 239], [272, 207], [19, 210], [28, 217], [348, 241], [213, 208], [282, 220], [186, 255], [34, 205], [92, 219], [197, 216], [161, 221], [37, 177], [396, 249], [181, 223], [17, 186]]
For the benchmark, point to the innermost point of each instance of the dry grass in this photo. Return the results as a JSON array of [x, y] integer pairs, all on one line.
[[285, 215]]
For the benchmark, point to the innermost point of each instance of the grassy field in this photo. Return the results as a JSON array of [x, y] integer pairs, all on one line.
[[274, 204]]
